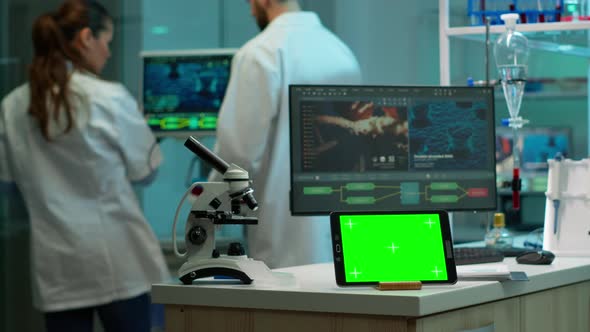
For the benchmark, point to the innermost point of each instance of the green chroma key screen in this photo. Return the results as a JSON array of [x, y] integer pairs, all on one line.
[[392, 248]]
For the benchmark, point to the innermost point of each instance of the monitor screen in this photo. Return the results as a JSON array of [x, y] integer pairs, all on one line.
[[182, 91], [388, 148]]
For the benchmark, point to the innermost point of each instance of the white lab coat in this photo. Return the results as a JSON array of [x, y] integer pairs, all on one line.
[[253, 129], [90, 242]]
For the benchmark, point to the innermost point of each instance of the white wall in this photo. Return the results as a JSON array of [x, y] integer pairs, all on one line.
[[396, 42], [130, 42], [187, 24], [194, 24]]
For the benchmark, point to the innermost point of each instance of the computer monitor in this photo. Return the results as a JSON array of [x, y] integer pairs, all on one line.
[[537, 145], [391, 148], [182, 91]]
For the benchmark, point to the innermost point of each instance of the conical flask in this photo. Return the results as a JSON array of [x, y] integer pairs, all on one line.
[[512, 54]]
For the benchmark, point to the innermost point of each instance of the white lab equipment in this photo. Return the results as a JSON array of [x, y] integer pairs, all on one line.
[[567, 226], [202, 258], [512, 54]]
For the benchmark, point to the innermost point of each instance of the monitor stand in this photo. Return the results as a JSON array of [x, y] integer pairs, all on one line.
[[469, 226]]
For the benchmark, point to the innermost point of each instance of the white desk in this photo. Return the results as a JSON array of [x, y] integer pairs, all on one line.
[[557, 298]]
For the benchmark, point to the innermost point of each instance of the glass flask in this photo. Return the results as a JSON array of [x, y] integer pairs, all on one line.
[[512, 54], [499, 237]]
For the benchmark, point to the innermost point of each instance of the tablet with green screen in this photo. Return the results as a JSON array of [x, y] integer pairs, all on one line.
[[373, 247]]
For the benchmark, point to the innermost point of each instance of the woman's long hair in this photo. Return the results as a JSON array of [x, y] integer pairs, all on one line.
[[55, 56]]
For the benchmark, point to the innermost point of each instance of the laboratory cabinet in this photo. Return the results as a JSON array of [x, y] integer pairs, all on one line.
[[561, 309]]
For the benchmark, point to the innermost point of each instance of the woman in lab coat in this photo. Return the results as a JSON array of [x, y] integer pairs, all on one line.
[[73, 143]]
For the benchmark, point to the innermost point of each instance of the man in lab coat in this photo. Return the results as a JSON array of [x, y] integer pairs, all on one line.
[[253, 128]]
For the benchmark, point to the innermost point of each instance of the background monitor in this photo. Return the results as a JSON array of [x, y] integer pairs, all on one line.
[[182, 91], [537, 145], [388, 148]]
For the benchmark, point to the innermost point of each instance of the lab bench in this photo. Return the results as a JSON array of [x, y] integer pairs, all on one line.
[[557, 298]]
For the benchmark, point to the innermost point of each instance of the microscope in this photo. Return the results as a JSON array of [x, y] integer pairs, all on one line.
[[202, 257]]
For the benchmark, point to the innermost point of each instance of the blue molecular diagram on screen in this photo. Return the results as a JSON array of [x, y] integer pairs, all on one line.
[[448, 135], [173, 84]]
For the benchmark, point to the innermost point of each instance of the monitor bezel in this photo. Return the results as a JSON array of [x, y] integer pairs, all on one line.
[[339, 251], [180, 52], [325, 213]]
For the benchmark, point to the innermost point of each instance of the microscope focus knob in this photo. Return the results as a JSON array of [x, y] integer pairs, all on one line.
[[236, 249], [197, 235]]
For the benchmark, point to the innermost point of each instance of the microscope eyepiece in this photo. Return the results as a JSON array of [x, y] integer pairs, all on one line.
[[206, 155]]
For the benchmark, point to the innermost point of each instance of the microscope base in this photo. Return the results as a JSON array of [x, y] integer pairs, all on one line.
[[212, 267], [188, 278]]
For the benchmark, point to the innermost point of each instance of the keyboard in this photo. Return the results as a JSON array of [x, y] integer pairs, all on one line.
[[479, 255], [513, 251]]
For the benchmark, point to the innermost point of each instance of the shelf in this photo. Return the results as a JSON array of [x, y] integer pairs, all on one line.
[[547, 95], [531, 27], [570, 38]]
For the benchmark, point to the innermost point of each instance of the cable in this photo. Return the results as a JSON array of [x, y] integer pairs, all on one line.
[[191, 167], [188, 191]]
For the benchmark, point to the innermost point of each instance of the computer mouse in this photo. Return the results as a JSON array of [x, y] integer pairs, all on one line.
[[538, 257]]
